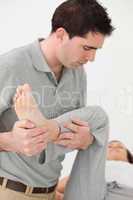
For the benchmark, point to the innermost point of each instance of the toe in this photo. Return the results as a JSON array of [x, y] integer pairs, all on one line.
[[27, 87], [19, 90]]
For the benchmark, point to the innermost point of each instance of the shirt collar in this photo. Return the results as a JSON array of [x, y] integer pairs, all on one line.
[[38, 58]]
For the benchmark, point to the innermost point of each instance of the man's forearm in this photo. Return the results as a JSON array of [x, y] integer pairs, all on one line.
[[5, 139]]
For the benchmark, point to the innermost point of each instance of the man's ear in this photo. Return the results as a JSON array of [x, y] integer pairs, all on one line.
[[61, 34]]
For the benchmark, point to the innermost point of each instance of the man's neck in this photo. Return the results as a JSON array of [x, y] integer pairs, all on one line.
[[48, 50]]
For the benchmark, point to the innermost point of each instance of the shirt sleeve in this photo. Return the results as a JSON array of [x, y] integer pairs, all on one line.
[[10, 78], [8, 83]]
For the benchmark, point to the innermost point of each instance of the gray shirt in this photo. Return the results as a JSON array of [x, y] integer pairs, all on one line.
[[27, 65]]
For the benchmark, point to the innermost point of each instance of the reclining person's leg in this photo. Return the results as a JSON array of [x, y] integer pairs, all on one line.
[[87, 180]]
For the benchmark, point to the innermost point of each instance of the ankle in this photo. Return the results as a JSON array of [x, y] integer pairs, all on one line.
[[54, 129]]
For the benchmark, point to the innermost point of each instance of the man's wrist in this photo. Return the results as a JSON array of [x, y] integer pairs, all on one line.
[[5, 141]]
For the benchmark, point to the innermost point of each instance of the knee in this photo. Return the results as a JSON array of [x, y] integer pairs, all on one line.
[[102, 115], [99, 116], [100, 126]]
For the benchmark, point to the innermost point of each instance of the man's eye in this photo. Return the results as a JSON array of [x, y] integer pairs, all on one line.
[[86, 48]]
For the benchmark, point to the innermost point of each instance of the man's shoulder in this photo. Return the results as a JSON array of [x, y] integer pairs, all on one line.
[[14, 59]]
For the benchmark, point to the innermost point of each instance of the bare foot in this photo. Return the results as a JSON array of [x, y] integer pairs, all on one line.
[[26, 108]]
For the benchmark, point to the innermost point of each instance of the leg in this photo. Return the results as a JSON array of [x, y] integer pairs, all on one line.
[[87, 179]]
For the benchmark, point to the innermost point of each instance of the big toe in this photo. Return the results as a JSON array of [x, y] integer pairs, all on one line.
[[27, 89]]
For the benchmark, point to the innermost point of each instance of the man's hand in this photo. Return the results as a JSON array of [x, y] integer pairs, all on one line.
[[78, 138], [25, 138]]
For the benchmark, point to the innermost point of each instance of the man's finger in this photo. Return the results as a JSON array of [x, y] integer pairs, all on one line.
[[64, 143], [37, 131], [73, 127], [68, 135], [25, 124], [79, 122]]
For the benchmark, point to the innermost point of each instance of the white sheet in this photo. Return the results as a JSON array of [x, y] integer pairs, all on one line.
[[119, 171]]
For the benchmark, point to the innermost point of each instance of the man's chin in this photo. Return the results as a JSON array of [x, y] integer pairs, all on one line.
[[75, 65]]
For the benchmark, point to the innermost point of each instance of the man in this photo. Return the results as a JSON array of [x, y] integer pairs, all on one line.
[[53, 68]]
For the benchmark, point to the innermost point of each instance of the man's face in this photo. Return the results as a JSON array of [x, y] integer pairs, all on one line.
[[79, 50]]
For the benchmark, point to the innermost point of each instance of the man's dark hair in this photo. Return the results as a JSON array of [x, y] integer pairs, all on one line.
[[129, 157], [78, 17]]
